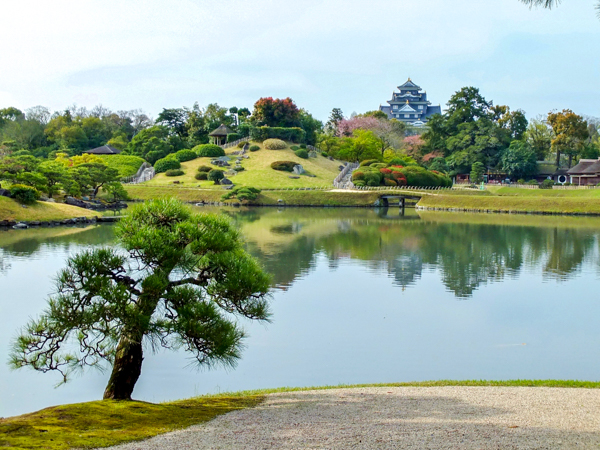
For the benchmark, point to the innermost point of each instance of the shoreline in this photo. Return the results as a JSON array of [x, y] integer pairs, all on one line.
[[107, 422]]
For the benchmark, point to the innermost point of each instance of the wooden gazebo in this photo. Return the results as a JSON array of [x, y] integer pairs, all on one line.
[[219, 136]]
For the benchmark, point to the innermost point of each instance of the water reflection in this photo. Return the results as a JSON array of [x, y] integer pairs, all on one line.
[[468, 250], [358, 281]]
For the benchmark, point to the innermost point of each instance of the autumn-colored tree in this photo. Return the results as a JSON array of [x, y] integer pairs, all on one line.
[[275, 112], [570, 132]]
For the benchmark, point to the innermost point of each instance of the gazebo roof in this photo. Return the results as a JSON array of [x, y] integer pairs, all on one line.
[[104, 150], [221, 131]]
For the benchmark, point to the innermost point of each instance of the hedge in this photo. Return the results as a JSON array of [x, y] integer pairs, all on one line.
[[201, 176], [174, 172], [287, 134], [186, 155], [209, 150], [127, 165], [168, 163], [205, 169], [254, 148], [286, 166], [232, 137]]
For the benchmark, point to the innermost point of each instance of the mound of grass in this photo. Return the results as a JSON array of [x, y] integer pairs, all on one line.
[[110, 422], [127, 165], [40, 211]]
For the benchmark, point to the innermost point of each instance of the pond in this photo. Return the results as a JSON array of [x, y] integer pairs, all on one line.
[[359, 296]]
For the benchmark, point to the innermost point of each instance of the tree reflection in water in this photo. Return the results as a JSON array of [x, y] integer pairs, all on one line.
[[467, 251]]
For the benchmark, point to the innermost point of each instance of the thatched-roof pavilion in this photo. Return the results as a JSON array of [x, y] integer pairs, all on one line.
[[219, 136]]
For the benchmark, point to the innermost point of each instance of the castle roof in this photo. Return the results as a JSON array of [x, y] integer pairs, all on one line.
[[407, 109], [409, 85]]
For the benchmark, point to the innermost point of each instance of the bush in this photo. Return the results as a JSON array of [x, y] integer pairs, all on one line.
[[216, 175], [302, 145], [356, 176], [185, 155], [201, 176], [242, 144], [286, 166], [301, 153], [242, 193], [232, 137], [388, 182], [547, 184], [324, 154], [164, 164], [368, 162], [254, 148], [154, 156], [209, 151], [359, 183], [239, 169], [274, 144], [24, 194], [521, 181], [205, 169], [174, 173], [295, 147], [287, 134], [373, 178], [532, 182]]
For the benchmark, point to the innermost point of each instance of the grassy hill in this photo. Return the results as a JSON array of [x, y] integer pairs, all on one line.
[[40, 211], [258, 172]]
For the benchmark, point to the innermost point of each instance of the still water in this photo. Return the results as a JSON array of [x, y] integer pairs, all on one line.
[[359, 296]]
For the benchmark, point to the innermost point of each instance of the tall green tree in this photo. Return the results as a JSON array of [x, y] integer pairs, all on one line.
[[539, 137], [183, 277], [519, 160]]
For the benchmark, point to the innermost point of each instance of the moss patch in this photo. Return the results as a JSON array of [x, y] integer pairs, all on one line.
[[108, 422]]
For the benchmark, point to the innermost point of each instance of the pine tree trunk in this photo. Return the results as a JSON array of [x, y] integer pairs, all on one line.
[[126, 369], [557, 160]]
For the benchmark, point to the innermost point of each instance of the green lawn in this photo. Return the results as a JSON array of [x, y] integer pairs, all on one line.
[[40, 211], [108, 422], [258, 172], [267, 198]]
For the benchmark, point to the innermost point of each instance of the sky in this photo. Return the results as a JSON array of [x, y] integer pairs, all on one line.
[[154, 54]]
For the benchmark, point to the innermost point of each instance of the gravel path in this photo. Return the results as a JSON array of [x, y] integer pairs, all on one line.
[[402, 418]]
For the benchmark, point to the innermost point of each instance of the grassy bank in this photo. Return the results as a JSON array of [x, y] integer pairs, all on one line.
[[105, 423], [515, 202], [266, 198], [258, 172], [109, 422], [40, 211]]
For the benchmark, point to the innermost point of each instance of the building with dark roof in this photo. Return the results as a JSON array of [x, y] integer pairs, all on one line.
[[586, 172], [410, 105], [104, 150], [219, 136]]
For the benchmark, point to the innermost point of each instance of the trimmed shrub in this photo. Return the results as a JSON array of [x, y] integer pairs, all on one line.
[[24, 194], [301, 153], [232, 137], [385, 171], [174, 173], [388, 182], [127, 165], [209, 151], [547, 184], [242, 193], [254, 148], [295, 147], [274, 144], [521, 181], [205, 169], [216, 175], [359, 183], [302, 145], [201, 176], [532, 182], [368, 162], [164, 164], [287, 134], [378, 165], [324, 154], [356, 176], [241, 144], [154, 156], [400, 178], [285, 166], [373, 178], [185, 155]]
